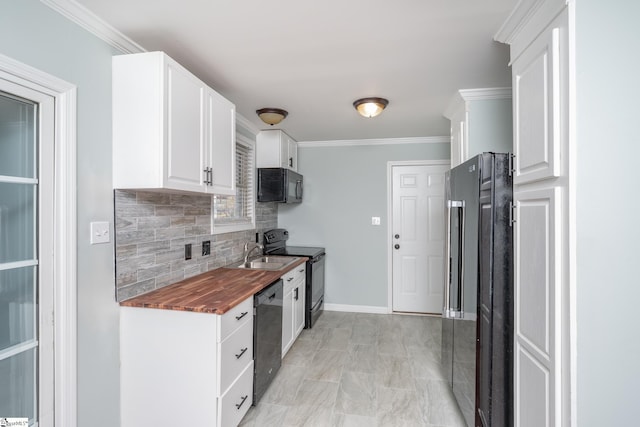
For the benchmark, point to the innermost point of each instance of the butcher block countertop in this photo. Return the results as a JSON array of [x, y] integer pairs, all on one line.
[[216, 291]]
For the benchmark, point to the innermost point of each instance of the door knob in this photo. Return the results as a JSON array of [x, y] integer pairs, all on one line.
[[397, 236], [397, 246]]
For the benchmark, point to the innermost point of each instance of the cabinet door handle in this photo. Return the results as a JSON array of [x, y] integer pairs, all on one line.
[[295, 297], [242, 351], [289, 279], [290, 162], [244, 313], [301, 271], [208, 176], [238, 405]]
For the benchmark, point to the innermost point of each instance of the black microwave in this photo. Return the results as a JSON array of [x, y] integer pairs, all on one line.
[[279, 185]]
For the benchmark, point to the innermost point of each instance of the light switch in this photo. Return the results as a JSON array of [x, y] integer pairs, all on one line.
[[375, 220], [99, 232]]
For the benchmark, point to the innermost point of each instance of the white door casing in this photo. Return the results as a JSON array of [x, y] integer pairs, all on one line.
[[58, 242], [417, 237]]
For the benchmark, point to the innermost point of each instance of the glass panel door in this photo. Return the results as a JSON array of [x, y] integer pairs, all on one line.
[[18, 258]]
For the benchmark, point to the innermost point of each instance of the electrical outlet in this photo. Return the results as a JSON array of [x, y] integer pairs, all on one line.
[[206, 247], [375, 220], [187, 251]]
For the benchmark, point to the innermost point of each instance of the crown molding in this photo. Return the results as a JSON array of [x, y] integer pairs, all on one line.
[[245, 123], [376, 141], [528, 12], [484, 94], [91, 22], [466, 95]]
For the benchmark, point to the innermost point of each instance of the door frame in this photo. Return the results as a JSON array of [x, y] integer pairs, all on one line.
[[390, 165], [64, 316]]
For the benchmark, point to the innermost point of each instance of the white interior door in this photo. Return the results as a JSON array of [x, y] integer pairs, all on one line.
[[418, 238]]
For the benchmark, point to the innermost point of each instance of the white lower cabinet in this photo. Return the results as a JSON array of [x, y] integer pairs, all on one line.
[[235, 352], [236, 401], [293, 306], [298, 308], [185, 368], [287, 319]]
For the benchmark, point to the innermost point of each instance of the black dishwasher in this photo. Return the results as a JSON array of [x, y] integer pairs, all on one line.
[[267, 337]]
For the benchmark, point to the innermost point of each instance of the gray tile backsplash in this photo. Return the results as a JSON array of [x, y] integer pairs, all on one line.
[[152, 229]]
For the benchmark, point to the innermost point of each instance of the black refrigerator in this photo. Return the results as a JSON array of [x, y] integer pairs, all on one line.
[[477, 317]]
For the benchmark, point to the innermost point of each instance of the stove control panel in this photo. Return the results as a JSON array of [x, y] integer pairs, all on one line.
[[276, 235]]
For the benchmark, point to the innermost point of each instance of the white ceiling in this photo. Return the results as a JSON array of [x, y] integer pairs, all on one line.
[[315, 58]]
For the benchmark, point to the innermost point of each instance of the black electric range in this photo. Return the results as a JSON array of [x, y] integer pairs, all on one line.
[[275, 244]]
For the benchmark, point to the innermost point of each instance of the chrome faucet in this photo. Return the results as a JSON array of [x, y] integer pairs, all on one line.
[[248, 251]]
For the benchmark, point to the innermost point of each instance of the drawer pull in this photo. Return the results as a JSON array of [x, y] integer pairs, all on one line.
[[243, 351], [301, 271], [238, 405], [289, 279], [244, 313]]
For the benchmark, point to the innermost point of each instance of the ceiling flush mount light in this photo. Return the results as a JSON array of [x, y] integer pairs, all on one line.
[[271, 116], [370, 107]]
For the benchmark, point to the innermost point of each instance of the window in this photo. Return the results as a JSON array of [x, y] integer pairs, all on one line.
[[236, 213]]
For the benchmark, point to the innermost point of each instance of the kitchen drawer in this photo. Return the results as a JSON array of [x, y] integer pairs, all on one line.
[[235, 354], [237, 400], [292, 278], [236, 317]]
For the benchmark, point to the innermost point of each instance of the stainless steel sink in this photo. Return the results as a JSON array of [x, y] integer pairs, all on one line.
[[266, 263]]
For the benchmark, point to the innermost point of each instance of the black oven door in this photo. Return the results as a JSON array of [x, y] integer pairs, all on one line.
[[315, 290]]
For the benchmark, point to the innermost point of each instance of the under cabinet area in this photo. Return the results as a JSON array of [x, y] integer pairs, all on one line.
[[170, 130], [276, 149], [293, 306], [186, 368]]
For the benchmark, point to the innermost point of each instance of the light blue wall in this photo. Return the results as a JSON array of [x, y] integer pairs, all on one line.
[[608, 202], [490, 126], [343, 188], [36, 35]]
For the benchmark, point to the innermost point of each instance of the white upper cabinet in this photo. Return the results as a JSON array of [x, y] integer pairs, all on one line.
[[481, 120], [276, 149], [170, 131], [221, 135], [536, 74]]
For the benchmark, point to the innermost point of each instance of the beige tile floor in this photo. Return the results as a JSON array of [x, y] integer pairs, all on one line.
[[355, 369]]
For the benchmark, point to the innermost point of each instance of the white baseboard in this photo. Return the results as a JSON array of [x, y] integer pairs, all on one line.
[[471, 316], [356, 308]]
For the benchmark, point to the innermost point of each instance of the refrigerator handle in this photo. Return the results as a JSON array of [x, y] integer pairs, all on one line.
[[459, 309], [451, 309], [447, 260]]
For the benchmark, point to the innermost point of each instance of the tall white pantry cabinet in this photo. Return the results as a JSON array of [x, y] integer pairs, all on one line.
[[538, 35]]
